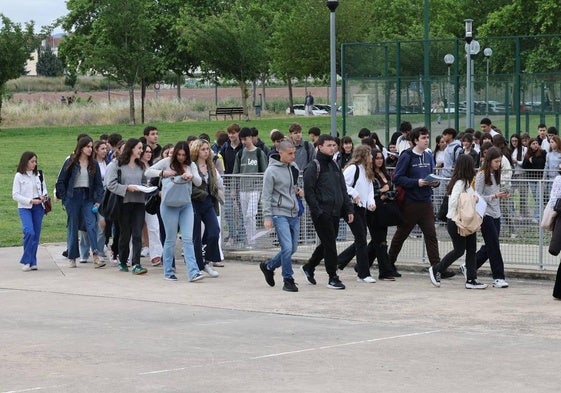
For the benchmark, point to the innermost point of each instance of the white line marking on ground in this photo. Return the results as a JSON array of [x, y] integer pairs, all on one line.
[[298, 351], [33, 389], [345, 344]]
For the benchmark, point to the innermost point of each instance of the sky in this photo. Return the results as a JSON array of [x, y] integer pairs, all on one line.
[[43, 12]]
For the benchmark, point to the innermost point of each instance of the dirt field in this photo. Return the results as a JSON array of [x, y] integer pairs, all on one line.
[[207, 94]]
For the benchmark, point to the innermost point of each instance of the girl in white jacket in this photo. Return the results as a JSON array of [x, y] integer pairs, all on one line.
[[30, 193], [358, 177]]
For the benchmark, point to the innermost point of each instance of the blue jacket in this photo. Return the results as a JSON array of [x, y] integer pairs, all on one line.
[[67, 177], [409, 169]]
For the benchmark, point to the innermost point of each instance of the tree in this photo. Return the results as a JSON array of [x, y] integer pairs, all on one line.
[[17, 43], [113, 38], [230, 44], [48, 64]]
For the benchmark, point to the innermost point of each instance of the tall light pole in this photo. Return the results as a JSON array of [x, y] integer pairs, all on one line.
[[472, 48], [449, 60], [487, 52], [332, 5]]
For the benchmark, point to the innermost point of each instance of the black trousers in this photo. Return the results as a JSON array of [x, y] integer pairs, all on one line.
[[131, 221], [461, 244], [358, 248], [327, 228]]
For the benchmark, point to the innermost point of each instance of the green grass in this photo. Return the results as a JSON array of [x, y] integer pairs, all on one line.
[[53, 144]]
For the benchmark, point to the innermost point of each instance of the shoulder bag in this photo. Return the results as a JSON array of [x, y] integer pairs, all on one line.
[[176, 191], [111, 203], [153, 200]]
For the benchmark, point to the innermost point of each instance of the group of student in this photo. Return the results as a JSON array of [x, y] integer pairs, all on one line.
[[339, 181]]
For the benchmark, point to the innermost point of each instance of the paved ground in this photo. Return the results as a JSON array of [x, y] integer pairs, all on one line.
[[86, 330]]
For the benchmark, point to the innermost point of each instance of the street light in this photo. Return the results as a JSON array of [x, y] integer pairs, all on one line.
[[332, 5], [487, 52], [472, 48], [449, 60]]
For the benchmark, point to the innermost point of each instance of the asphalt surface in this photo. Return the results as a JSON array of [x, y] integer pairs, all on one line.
[[100, 330]]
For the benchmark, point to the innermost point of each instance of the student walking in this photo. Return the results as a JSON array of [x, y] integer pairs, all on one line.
[[413, 166], [29, 190], [280, 209], [178, 169], [462, 176], [358, 178], [131, 214], [326, 195], [487, 185], [80, 187], [206, 208]]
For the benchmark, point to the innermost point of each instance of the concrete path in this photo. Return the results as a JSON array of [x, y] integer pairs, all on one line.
[[86, 330]]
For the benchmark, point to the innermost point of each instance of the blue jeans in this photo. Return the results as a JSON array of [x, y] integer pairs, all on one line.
[[182, 217], [534, 186], [204, 212], [79, 211], [288, 230], [31, 221], [85, 243]]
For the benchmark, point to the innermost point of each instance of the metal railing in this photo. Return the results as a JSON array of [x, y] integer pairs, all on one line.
[[523, 242]]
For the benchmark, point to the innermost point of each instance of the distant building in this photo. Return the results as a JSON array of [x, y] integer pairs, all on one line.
[[53, 42]]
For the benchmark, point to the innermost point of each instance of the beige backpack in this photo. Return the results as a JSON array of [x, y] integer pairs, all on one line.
[[467, 220]]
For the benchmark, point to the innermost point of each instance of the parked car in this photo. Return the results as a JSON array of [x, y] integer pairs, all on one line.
[[299, 110]]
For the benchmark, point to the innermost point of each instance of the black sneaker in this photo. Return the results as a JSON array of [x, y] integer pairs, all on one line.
[[289, 285], [474, 284], [65, 253], [309, 274], [447, 274], [335, 283], [434, 277], [269, 275]]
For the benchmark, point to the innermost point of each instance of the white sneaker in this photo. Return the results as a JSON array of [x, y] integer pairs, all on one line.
[[464, 271], [210, 271], [144, 252], [72, 263], [367, 279], [26, 267], [500, 283], [34, 267]]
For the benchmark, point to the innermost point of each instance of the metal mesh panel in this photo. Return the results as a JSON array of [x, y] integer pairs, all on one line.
[[523, 242]]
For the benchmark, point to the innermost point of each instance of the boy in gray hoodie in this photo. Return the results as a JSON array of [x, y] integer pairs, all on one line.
[[279, 200]]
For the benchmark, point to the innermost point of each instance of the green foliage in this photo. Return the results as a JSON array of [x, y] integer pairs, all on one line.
[[48, 63], [16, 45]]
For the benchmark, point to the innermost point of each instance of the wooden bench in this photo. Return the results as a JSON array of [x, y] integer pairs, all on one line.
[[226, 111]]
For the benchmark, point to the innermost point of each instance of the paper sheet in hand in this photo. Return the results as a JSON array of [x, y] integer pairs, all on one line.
[[145, 189], [480, 207], [433, 177], [260, 234]]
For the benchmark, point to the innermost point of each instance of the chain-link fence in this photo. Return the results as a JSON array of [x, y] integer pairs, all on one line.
[[523, 242]]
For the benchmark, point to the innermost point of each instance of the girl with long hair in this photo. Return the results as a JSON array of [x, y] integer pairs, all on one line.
[[462, 177], [30, 192], [99, 155], [517, 153], [378, 246], [552, 163], [151, 230], [534, 162], [358, 177], [178, 165], [487, 186], [206, 207], [131, 214], [80, 187]]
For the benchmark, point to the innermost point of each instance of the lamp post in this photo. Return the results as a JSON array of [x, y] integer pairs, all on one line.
[[487, 52], [332, 5], [472, 48], [449, 60]]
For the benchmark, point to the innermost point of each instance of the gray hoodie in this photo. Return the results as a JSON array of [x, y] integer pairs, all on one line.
[[278, 197]]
